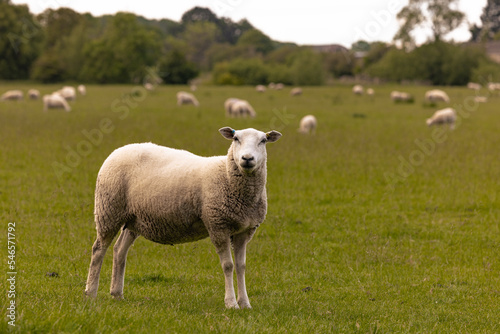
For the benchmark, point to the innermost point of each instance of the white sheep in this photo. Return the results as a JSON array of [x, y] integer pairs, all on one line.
[[370, 92], [474, 86], [358, 90], [260, 88], [400, 96], [149, 86], [443, 116], [436, 95], [82, 90], [186, 98], [55, 100], [238, 108], [279, 86], [296, 91], [493, 86], [34, 94], [172, 196], [308, 124], [12, 95], [68, 92], [480, 99]]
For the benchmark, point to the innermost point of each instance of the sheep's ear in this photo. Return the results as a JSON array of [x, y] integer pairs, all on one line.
[[272, 136], [227, 132]]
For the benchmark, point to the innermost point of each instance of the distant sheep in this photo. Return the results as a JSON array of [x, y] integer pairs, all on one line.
[[370, 92], [149, 86], [279, 86], [238, 108], [493, 86], [33, 94], [82, 90], [401, 96], [186, 98], [436, 95], [296, 91], [12, 95], [172, 196], [68, 92], [54, 101], [473, 85], [308, 124], [260, 88], [481, 99], [358, 90], [443, 116]]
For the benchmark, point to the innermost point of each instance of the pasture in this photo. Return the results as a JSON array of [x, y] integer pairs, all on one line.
[[376, 223]]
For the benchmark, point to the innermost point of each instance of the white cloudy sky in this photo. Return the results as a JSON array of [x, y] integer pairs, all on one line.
[[302, 22]]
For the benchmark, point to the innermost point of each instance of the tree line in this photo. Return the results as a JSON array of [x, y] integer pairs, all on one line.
[[62, 45]]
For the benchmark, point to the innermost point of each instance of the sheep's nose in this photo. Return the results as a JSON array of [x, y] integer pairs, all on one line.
[[247, 157]]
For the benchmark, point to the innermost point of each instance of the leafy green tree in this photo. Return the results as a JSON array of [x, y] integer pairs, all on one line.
[[174, 68], [438, 13], [200, 36], [307, 68], [20, 40], [123, 53], [256, 40], [490, 19]]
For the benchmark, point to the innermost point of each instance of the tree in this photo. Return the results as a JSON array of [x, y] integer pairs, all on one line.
[[490, 22], [174, 68], [20, 41], [256, 40], [200, 36], [439, 14]]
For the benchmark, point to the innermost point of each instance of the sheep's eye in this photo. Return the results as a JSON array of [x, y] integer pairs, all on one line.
[[236, 139], [263, 141]]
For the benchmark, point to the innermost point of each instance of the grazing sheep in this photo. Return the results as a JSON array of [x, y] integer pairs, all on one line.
[[473, 85], [493, 86], [186, 98], [82, 90], [443, 116], [436, 95], [172, 196], [34, 94], [296, 91], [55, 100], [358, 90], [481, 99], [279, 86], [12, 95], [308, 124], [401, 96], [272, 85], [260, 88], [149, 86], [68, 92], [370, 92], [238, 108]]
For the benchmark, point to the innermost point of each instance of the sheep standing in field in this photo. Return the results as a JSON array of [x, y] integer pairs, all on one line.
[[443, 116], [186, 98], [370, 92], [54, 101], [12, 95], [296, 91], [474, 86], [82, 90], [238, 108], [172, 196], [436, 95], [260, 88], [68, 92], [308, 124], [149, 86], [358, 90], [34, 94], [401, 97], [493, 86], [279, 86]]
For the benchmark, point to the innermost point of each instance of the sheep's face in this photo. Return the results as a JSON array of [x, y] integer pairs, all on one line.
[[249, 147]]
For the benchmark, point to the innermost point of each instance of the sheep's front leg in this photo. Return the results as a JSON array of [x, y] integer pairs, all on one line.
[[223, 248], [240, 243]]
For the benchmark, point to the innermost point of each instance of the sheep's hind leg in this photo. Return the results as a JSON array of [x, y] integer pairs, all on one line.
[[120, 250], [223, 248], [239, 243], [98, 251]]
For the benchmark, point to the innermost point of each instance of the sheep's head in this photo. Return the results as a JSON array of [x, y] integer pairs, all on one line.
[[249, 146]]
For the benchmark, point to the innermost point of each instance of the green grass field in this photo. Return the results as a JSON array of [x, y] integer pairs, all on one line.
[[375, 224]]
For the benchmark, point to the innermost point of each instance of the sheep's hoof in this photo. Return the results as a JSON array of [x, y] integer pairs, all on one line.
[[233, 305], [91, 294], [117, 296], [244, 304]]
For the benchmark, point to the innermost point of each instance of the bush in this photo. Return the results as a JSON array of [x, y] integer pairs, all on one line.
[[174, 68], [241, 72]]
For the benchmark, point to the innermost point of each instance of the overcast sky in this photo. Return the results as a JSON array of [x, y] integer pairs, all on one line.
[[301, 22]]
